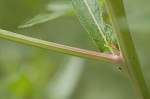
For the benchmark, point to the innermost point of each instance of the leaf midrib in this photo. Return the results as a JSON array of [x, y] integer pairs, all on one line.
[[91, 13]]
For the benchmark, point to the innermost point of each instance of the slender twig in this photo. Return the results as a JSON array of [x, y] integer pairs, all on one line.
[[131, 67], [59, 48]]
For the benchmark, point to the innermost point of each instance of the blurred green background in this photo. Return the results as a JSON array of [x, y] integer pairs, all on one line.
[[32, 73]]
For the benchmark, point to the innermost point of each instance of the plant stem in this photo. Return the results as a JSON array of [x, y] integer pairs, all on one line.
[[129, 56], [59, 48]]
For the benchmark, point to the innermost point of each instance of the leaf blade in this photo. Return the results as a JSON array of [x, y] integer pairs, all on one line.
[[55, 10], [90, 16], [88, 19], [41, 18]]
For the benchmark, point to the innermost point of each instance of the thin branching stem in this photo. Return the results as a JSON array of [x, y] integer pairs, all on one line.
[[59, 48]]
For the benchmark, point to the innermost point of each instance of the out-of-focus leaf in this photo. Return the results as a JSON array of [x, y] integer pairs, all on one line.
[[101, 2], [66, 79], [42, 18], [20, 85], [56, 9], [90, 15], [58, 6]]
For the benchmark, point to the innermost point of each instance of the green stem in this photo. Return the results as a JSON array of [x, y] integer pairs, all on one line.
[[129, 56], [59, 48]]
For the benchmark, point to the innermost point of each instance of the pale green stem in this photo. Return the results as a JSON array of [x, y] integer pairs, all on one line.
[[59, 48], [128, 53]]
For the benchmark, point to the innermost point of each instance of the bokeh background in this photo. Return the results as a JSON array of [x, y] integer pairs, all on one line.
[[32, 73]]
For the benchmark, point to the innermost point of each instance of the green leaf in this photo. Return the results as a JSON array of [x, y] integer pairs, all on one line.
[[56, 9], [90, 15], [58, 6], [41, 18], [19, 84], [101, 2]]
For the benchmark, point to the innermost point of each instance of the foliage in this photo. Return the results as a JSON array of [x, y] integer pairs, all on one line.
[[90, 16]]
